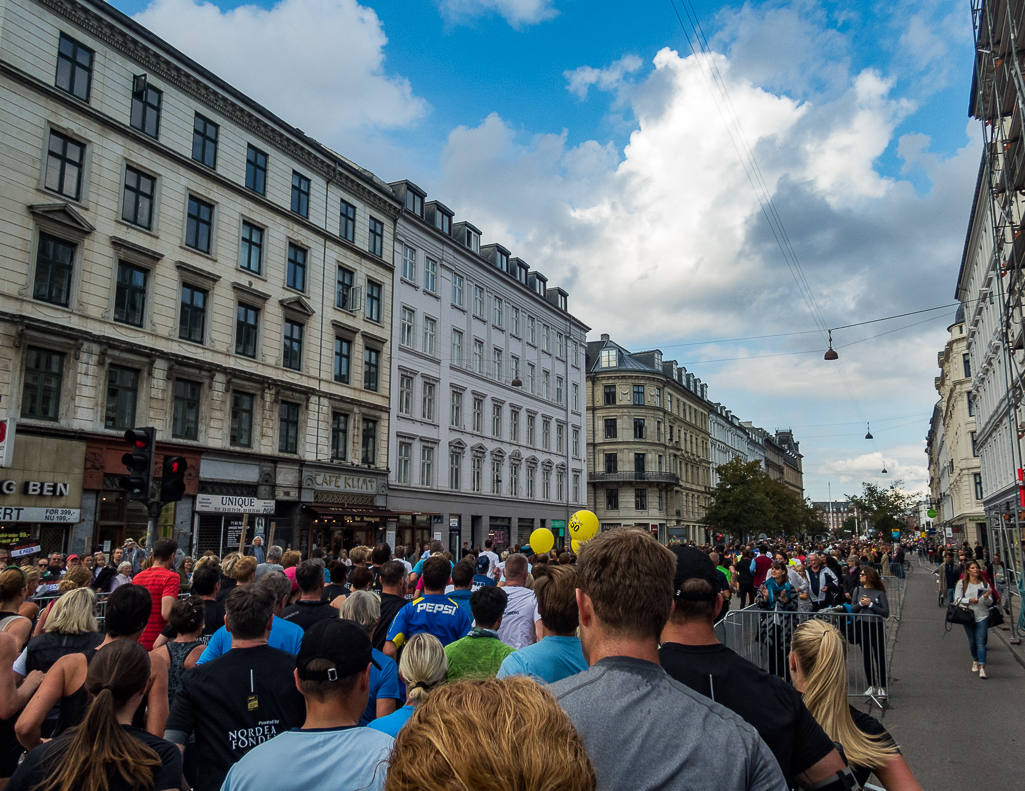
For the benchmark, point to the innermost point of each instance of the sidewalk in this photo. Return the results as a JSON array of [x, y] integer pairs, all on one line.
[[955, 730]]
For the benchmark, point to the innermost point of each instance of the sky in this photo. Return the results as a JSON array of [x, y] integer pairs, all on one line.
[[591, 140]]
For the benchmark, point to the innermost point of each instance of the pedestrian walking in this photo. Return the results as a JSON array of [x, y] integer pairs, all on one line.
[[973, 590], [481, 652], [869, 599], [422, 668]]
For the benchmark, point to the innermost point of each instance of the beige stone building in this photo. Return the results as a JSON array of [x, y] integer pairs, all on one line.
[[174, 255], [647, 442]]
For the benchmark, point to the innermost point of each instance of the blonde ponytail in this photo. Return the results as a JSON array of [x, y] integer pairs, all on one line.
[[423, 665]]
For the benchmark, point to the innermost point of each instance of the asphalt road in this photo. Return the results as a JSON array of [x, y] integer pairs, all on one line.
[[956, 730]]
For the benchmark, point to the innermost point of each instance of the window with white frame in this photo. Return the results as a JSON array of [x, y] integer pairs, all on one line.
[[609, 358], [576, 395], [560, 345], [457, 408], [514, 320], [405, 394], [431, 276], [427, 410], [531, 482], [478, 357], [477, 473], [478, 302], [576, 487], [426, 465], [430, 329], [559, 389], [496, 312], [514, 479], [546, 338], [546, 383], [576, 443], [531, 330], [496, 475], [455, 471], [514, 425], [560, 485], [402, 470], [546, 484], [560, 438], [496, 421], [408, 263], [478, 414], [407, 325], [457, 347], [496, 364], [531, 433], [457, 290], [546, 433]]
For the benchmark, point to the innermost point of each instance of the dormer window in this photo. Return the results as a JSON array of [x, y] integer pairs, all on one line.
[[473, 240], [521, 274], [443, 222], [503, 261], [609, 358], [414, 203]]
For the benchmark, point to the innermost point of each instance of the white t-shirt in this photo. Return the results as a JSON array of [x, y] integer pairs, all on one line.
[[517, 629], [492, 560]]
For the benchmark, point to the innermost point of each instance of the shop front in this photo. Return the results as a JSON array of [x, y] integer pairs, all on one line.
[[224, 519], [344, 507], [40, 491]]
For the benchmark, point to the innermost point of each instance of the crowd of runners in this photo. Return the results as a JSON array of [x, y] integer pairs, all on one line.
[[268, 670]]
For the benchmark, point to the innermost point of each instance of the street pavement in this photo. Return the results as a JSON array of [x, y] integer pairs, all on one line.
[[956, 730]]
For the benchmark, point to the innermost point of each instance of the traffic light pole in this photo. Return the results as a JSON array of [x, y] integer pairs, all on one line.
[[153, 509]]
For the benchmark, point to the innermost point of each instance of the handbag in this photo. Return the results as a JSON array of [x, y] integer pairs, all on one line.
[[995, 617], [960, 613]]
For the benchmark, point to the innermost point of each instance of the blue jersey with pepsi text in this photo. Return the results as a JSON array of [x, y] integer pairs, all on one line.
[[435, 614]]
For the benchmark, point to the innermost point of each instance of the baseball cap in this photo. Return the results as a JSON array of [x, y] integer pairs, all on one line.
[[692, 563], [339, 641], [72, 557], [483, 564]]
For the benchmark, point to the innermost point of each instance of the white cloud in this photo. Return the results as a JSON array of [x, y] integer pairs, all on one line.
[[851, 472], [609, 78], [518, 13], [319, 64]]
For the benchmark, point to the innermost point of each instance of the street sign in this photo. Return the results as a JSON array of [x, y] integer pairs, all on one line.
[[896, 535], [931, 513]]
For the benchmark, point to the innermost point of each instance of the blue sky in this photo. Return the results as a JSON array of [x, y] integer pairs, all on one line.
[[584, 136]]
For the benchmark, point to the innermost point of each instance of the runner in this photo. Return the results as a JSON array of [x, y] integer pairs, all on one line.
[[163, 584], [363, 608], [462, 581], [423, 667], [312, 606], [480, 574], [284, 636], [518, 628], [480, 653], [433, 612], [393, 599]]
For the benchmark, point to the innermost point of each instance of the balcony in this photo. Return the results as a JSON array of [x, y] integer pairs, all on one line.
[[653, 477]]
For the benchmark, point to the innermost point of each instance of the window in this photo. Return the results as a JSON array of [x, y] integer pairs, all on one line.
[[546, 381], [546, 484], [185, 418], [371, 359], [514, 479], [288, 432], [122, 393], [343, 360], [409, 263], [659, 499], [971, 406], [64, 166], [560, 345], [431, 276], [638, 428], [560, 485], [640, 499], [966, 362], [246, 326], [457, 347], [477, 473], [531, 330], [192, 314], [514, 320], [978, 485], [610, 394], [300, 194], [414, 203], [496, 476], [455, 464], [546, 338], [369, 443], [295, 276], [74, 68], [198, 226], [639, 395], [426, 466], [376, 243], [457, 409], [204, 141], [611, 462], [496, 421], [576, 443], [343, 288], [496, 364], [496, 311], [241, 419], [405, 395], [639, 462], [975, 447], [427, 402], [402, 470], [457, 290], [531, 432], [514, 425], [609, 359], [669, 403], [560, 438], [658, 397], [339, 435], [44, 376], [256, 170], [347, 221], [252, 248], [293, 346], [406, 326], [130, 295], [137, 202], [612, 499], [373, 311], [576, 487], [576, 396], [430, 329], [660, 463], [478, 415], [478, 301], [658, 430], [516, 367], [610, 428], [560, 388], [54, 261], [478, 357], [531, 482], [530, 377]]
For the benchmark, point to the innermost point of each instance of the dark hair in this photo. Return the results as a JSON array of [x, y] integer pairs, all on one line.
[[688, 608], [488, 605], [187, 615], [338, 571], [436, 572], [318, 553], [564, 559], [462, 575], [310, 575], [762, 548], [361, 578], [204, 580], [247, 610], [164, 549], [487, 543], [128, 610], [391, 573], [380, 555], [556, 595]]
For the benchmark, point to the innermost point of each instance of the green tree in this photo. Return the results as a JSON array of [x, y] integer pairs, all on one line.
[[746, 502], [849, 527], [885, 509]]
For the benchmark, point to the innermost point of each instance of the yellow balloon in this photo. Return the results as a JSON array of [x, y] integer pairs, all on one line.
[[583, 525], [576, 546], [542, 540]]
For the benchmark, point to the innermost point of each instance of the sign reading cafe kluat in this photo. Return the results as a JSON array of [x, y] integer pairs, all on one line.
[[336, 487]]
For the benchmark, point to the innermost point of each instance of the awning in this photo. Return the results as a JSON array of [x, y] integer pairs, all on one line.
[[334, 512]]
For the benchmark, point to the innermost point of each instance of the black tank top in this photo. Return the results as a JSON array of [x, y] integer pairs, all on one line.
[[10, 749], [74, 706]]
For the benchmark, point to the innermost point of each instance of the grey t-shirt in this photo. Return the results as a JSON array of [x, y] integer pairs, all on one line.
[[644, 730]]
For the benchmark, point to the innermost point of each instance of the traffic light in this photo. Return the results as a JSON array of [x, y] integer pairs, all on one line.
[[172, 481], [139, 463]]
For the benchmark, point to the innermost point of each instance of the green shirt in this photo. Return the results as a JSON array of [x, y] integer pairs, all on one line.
[[729, 577], [478, 655]]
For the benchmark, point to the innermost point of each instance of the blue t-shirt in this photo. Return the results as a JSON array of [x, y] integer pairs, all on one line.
[[384, 683], [393, 723], [435, 614], [284, 635], [480, 580], [462, 598], [551, 659], [312, 761], [419, 567]]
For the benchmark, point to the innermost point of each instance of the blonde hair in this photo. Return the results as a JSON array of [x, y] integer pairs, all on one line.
[[206, 560], [80, 575], [229, 563], [821, 654], [423, 665], [490, 735], [360, 554], [244, 569], [364, 608], [73, 613]]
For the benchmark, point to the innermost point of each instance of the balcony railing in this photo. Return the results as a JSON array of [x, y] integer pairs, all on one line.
[[655, 477]]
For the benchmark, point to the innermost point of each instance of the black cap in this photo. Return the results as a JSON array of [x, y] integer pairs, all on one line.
[[483, 564], [692, 563], [336, 640]]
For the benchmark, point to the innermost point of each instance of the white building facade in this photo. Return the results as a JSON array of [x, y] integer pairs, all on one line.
[[728, 439]]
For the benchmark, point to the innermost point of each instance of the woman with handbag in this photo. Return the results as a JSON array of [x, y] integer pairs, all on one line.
[[974, 592], [869, 599]]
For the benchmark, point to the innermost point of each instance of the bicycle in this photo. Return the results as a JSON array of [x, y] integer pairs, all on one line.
[[908, 568]]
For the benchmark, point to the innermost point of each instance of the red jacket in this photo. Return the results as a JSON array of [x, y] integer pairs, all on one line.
[[762, 565]]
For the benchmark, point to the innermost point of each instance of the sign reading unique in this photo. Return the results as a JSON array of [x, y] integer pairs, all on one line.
[[223, 504]]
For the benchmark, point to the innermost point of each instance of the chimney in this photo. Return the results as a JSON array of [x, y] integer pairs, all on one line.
[[605, 336]]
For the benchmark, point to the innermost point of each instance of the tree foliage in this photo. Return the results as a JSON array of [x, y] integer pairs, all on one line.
[[885, 509]]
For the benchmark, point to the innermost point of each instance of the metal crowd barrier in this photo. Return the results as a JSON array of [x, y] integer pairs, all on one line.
[[101, 605], [763, 638]]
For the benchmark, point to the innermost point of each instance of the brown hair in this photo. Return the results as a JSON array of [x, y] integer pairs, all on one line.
[[12, 583], [99, 743], [556, 595], [244, 569], [628, 576], [436, 571], [80, 575], [187, 615], [290, 558], [247, 610], [361, 578], [490, 735], [872, 578]]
